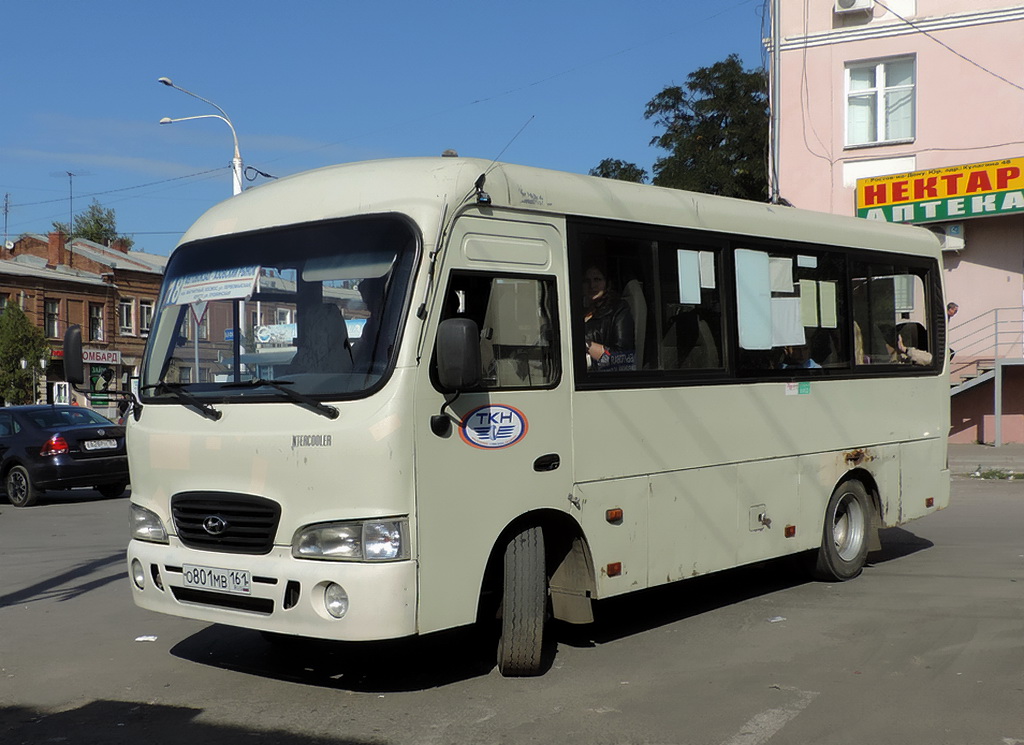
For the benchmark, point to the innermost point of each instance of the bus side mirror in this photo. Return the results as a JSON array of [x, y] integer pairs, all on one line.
[[458, 354], [74, 372]]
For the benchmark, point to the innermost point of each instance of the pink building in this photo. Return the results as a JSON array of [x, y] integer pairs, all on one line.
[[913, 111]]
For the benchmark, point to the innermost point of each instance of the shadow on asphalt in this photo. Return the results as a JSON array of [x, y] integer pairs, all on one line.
[[63, 496], [896, 544], [54, 588], [439, 659], [129, 723], [412, 664]]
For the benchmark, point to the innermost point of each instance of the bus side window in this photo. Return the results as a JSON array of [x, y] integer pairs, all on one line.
[[792, 312], [891, 316], [691, 323], [670, 289], [518, 331]]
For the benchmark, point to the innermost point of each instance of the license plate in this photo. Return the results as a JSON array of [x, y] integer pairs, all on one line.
[[99, 444], [231, 581]]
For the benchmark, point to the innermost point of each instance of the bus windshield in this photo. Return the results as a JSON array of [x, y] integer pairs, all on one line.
[[313, 310]]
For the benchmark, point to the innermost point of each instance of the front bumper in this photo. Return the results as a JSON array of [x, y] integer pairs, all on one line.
[[287, 594]]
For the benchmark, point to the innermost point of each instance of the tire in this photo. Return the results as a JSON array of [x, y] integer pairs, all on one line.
[[844, 540], [524, 603], [110, 491], [20, 489]]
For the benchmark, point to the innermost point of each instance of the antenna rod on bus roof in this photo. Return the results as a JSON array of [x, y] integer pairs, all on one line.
[[509, 143]]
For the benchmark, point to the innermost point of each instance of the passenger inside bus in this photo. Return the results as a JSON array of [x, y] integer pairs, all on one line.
[[366, 349], [609, 329], [900, 351], [798, 358], [322, 345]]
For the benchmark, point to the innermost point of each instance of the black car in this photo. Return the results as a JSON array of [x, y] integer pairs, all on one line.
[[59, 447]]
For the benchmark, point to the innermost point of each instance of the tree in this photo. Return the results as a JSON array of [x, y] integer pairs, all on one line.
[[19, 340], [619, 169], [716, 131], [95, 224]]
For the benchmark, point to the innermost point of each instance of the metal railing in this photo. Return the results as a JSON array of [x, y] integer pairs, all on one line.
[[984, 346], [995, 334]]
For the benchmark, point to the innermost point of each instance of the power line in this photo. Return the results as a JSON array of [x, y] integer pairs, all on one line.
[[123, 188], [946, 46], [645, 44]]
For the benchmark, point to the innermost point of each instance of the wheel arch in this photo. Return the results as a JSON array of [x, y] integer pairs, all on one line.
[[568, 562]]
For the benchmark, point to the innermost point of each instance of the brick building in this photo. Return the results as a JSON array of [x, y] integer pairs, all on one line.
[[109, 291]]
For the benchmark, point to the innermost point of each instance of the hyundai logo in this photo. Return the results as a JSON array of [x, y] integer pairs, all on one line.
[[215, 525]]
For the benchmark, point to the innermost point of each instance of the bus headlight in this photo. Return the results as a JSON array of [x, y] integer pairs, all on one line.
[[369, 540], [145, 525]]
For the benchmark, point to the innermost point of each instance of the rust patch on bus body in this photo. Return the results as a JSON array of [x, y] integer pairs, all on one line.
[[857, 457]]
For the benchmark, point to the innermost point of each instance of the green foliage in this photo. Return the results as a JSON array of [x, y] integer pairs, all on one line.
[[998, 473], [19, 340], [95, 224], [716, 131], [619, 169]]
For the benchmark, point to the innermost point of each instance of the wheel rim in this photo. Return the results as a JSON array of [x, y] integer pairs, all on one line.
[[17, 487], [848, 527]]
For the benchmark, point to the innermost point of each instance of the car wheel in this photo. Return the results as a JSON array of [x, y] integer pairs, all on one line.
[[20, 489], [111, 490]]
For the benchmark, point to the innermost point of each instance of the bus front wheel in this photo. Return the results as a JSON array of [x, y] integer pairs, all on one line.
[[524, 602], [844, 541]]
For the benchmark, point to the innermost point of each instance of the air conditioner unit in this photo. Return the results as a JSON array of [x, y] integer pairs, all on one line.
[[951, 235], [852, 6]]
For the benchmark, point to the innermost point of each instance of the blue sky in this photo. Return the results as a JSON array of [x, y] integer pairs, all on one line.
[[312, 83]]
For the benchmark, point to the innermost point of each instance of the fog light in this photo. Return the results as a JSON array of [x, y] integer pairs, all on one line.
[[138, 574], [336, 600]]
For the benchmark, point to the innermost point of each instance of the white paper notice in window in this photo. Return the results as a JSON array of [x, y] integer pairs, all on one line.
[[689, 277]]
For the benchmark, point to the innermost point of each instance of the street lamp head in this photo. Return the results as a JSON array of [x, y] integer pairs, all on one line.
[[236, 161]]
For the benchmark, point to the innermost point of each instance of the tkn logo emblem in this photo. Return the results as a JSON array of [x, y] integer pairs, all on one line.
[[493, 426]]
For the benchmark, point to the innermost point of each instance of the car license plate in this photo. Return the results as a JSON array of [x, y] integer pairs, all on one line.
[[99, 444], [232, 581]]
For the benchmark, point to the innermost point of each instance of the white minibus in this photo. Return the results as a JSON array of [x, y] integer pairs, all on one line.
[[390, 398]]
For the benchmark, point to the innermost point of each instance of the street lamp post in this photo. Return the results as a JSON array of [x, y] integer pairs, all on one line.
[[35, 379], [236, 161]]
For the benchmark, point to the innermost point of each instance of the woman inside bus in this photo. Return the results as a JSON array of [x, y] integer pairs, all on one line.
[[608, 324]]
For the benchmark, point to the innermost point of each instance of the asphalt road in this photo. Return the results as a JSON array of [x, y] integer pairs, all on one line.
[[926, 647]]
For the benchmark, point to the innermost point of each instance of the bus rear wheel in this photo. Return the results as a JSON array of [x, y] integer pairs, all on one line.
[[524, 604], [844, 540]]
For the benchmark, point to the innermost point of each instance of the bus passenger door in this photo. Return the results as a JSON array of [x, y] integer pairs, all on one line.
[[506, 450]]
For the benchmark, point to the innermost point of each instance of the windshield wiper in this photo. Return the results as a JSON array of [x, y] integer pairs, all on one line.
[[186, 399], [282, 385]]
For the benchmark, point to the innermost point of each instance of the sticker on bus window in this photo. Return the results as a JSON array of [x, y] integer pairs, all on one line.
[[493, 426]]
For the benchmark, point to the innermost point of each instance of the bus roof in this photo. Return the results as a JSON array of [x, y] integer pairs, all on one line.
[[419, 187]]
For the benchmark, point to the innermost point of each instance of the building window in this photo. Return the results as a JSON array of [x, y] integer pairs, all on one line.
[[95, 322], [880, 101], [126, 316], [51, 310], [145, 317]]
